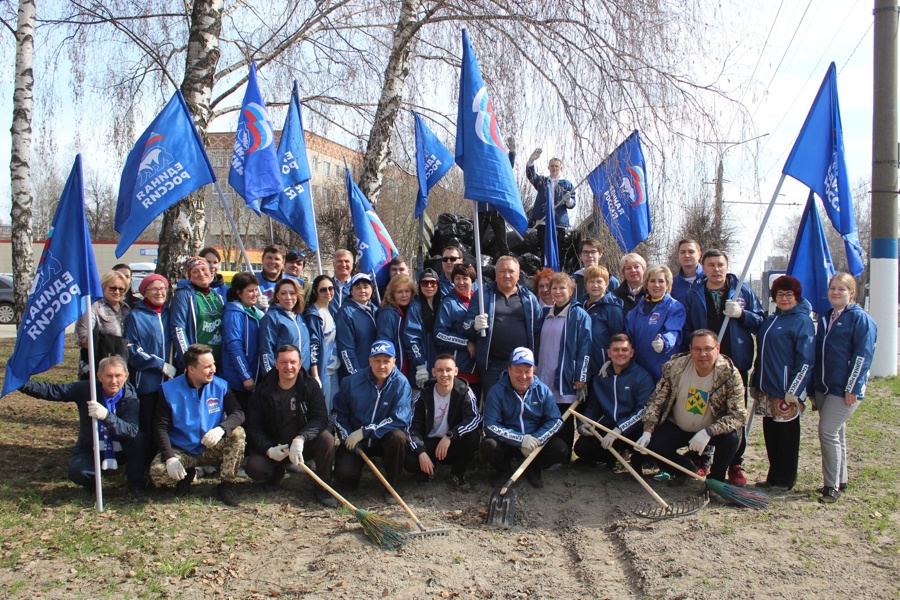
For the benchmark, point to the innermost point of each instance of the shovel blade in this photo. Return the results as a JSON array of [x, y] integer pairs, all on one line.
[[502, 512]]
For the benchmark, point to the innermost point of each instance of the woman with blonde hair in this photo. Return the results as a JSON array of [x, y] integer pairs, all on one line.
[[105, 321], [656, 322], [390, 322]]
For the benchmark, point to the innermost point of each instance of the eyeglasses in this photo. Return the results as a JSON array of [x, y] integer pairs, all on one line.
[[450, 258], [325, 290], [784, 295], [116, 290], [702, 350], [429, 283], [156, 290], [589, 252]]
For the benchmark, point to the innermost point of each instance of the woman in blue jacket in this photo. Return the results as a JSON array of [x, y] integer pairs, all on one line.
[[845, 345], [784, 357], [240, 336], [606, 313], [150, 354], [449, 333], [420, 322], [356, 327], [656, 323], [283, 324], [390, 322], [322, 331], [564, 350]]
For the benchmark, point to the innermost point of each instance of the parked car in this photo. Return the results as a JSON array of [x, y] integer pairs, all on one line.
[[7, 303], [138, 272]]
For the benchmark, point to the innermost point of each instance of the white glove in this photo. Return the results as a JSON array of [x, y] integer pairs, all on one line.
[[658, 343], [733, 310], [699, 441], [96, 410], [609, 438], [791, 398], [297, 450], [175, 469], [262, 303], [353, 439], [421, 376], [643, 442], [169, 371], [481, 322], [586, 429], [529, 444], [534, 156], [212, 437], [277, 453]]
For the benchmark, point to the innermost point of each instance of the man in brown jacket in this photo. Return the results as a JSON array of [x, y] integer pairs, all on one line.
[[698, 401]]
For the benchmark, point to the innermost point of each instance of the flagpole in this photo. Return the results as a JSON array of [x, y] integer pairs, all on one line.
[[375, 286], [753, 249], [95, 436], [420, 254], [482, 333], [234, 228]]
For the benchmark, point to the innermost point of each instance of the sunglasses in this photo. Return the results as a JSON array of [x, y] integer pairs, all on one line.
[[451, 258], [323, 290], [429, 283], [116, 290]]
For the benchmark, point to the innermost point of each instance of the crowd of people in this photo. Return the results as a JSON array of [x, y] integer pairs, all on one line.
[[256, 377]]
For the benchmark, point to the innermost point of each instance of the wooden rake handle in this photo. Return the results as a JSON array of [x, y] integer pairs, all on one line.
[[327, 487], [640, 449], [390, 489], [530, 458], [635, 474]]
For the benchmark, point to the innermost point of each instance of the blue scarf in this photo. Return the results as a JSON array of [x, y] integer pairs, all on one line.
[[109, 441]]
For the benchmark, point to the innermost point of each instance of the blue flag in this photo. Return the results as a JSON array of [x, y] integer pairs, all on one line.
[[293, 205], [480, 152], [66, 273], [167, 163], [620, 189], [811, 260], [817, 160], [374, 246], [255, 168], [433, 160], [551, 241]]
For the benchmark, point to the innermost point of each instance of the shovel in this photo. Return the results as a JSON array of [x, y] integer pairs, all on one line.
[[502, 511]]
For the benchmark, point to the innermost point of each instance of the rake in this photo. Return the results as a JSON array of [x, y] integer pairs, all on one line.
[[732, 493], [422, 532], [664, 510], [385, 533]]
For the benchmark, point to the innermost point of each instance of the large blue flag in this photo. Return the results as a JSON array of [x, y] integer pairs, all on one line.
[[817, 160], [66, 273], [374, 246], [620, 189], [551, 241], [293, 205], [811, 260], [480, 152], [167, 163], [255, 168], [433, 160]]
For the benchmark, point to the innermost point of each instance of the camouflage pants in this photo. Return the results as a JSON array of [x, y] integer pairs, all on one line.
[[226, 455]]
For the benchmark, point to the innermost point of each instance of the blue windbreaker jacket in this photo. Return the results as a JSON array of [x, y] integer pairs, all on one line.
[[240, 346], [450, 333], [356, 330], [147, 332], [644, 323], [277, 328], [533, 320], [619, 400], [607, 319], [786, 352], [421, 343], [509, 418], [360, 404], [844, 352], [575, 353]]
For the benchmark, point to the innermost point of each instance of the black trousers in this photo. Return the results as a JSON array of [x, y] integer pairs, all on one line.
[[459, 454], [145, 425], [668, 438], [566, 433], [783, 450], [321, 449], [500, 455], [348, 465], [81, 467], [494, 220]]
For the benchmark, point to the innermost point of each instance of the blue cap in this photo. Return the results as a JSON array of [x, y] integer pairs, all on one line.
[[358, 278], [521, 356], [383, 347]]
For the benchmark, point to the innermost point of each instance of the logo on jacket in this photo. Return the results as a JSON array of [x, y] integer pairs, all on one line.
[[654, 318], [213, 405]]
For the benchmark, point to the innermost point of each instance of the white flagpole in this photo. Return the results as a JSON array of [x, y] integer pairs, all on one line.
[[95, 435], [234, 228], [483, 332]]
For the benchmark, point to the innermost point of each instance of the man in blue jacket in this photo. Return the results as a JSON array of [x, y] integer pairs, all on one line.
[[198, 424], [520, 415], [713, 298], [690, 271], [511, 318], [372, 412], [617, 398], [553, 191], [117, 412]]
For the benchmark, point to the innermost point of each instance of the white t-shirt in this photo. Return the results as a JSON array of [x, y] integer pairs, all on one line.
[[441, 408], [691, 409]]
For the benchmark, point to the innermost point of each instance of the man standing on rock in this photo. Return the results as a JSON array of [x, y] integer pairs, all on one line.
[[698, 402], [198, 424], [510, 318], [552, 192]]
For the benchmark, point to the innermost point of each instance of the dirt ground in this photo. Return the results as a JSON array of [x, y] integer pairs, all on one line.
[[576, 538]]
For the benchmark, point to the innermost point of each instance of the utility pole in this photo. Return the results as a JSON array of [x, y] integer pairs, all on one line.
[[883, 267]]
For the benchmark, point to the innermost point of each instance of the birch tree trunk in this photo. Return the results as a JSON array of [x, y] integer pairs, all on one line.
[[184, 225], [20, 160]]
